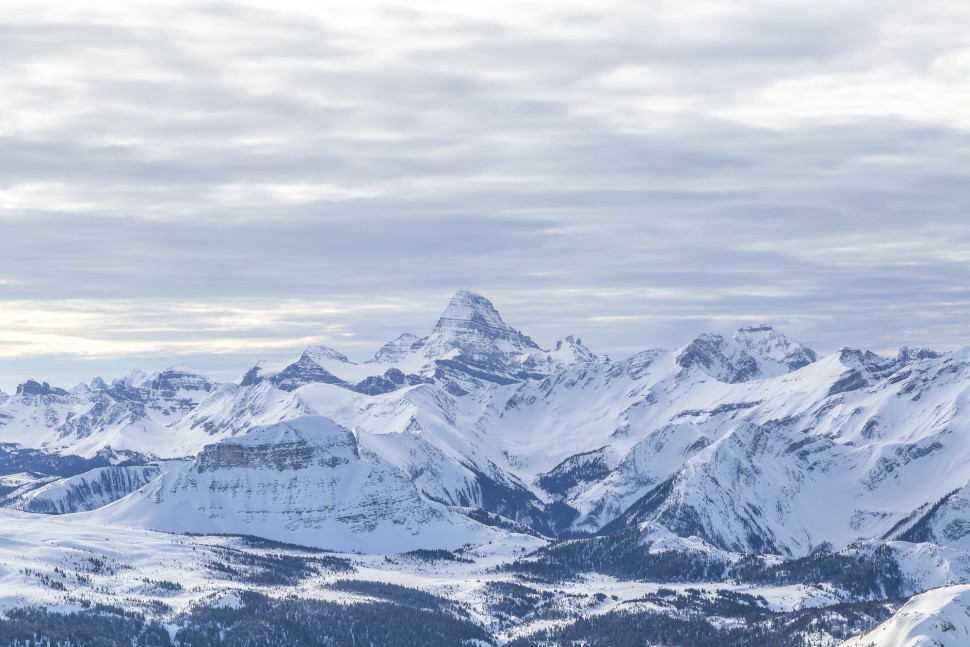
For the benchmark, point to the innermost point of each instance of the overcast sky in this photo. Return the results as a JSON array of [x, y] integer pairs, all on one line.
[[216, 183]]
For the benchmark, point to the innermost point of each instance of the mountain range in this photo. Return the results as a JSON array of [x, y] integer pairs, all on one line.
[[714, 462]]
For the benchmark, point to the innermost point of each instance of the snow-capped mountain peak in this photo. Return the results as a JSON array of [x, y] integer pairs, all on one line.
[[308, 368], [396, 349], [572, 350], [320, 354], [470, 307], [135, 379], [472, 345], [907, 354], [722, 359], [768, 343], [754, 353], [471, 325], [39, 389]]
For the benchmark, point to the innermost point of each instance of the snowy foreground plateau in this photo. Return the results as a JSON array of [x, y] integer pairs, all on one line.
[[468, 487]]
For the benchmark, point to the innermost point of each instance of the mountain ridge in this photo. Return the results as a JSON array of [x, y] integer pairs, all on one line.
[[483, 401], [743, 461]]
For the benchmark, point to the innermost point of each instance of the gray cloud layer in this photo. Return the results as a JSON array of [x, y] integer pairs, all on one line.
[[625, 171]]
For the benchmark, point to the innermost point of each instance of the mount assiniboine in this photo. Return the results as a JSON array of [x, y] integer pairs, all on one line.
[[734, 489]]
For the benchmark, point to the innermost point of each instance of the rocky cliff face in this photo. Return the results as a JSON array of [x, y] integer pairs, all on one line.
[[306, 481], [88, 491], [753, 354], [175, 391]]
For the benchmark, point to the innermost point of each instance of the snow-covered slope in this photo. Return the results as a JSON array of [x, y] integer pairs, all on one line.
[[834, 452], [87, 491], [307, 481], [742, 452], [231, 410], [937, 618], [751, 443], [575, 448]]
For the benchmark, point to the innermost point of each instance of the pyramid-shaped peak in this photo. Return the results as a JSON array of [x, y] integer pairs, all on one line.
[[472, 325], [468, 306], [320, 353]]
